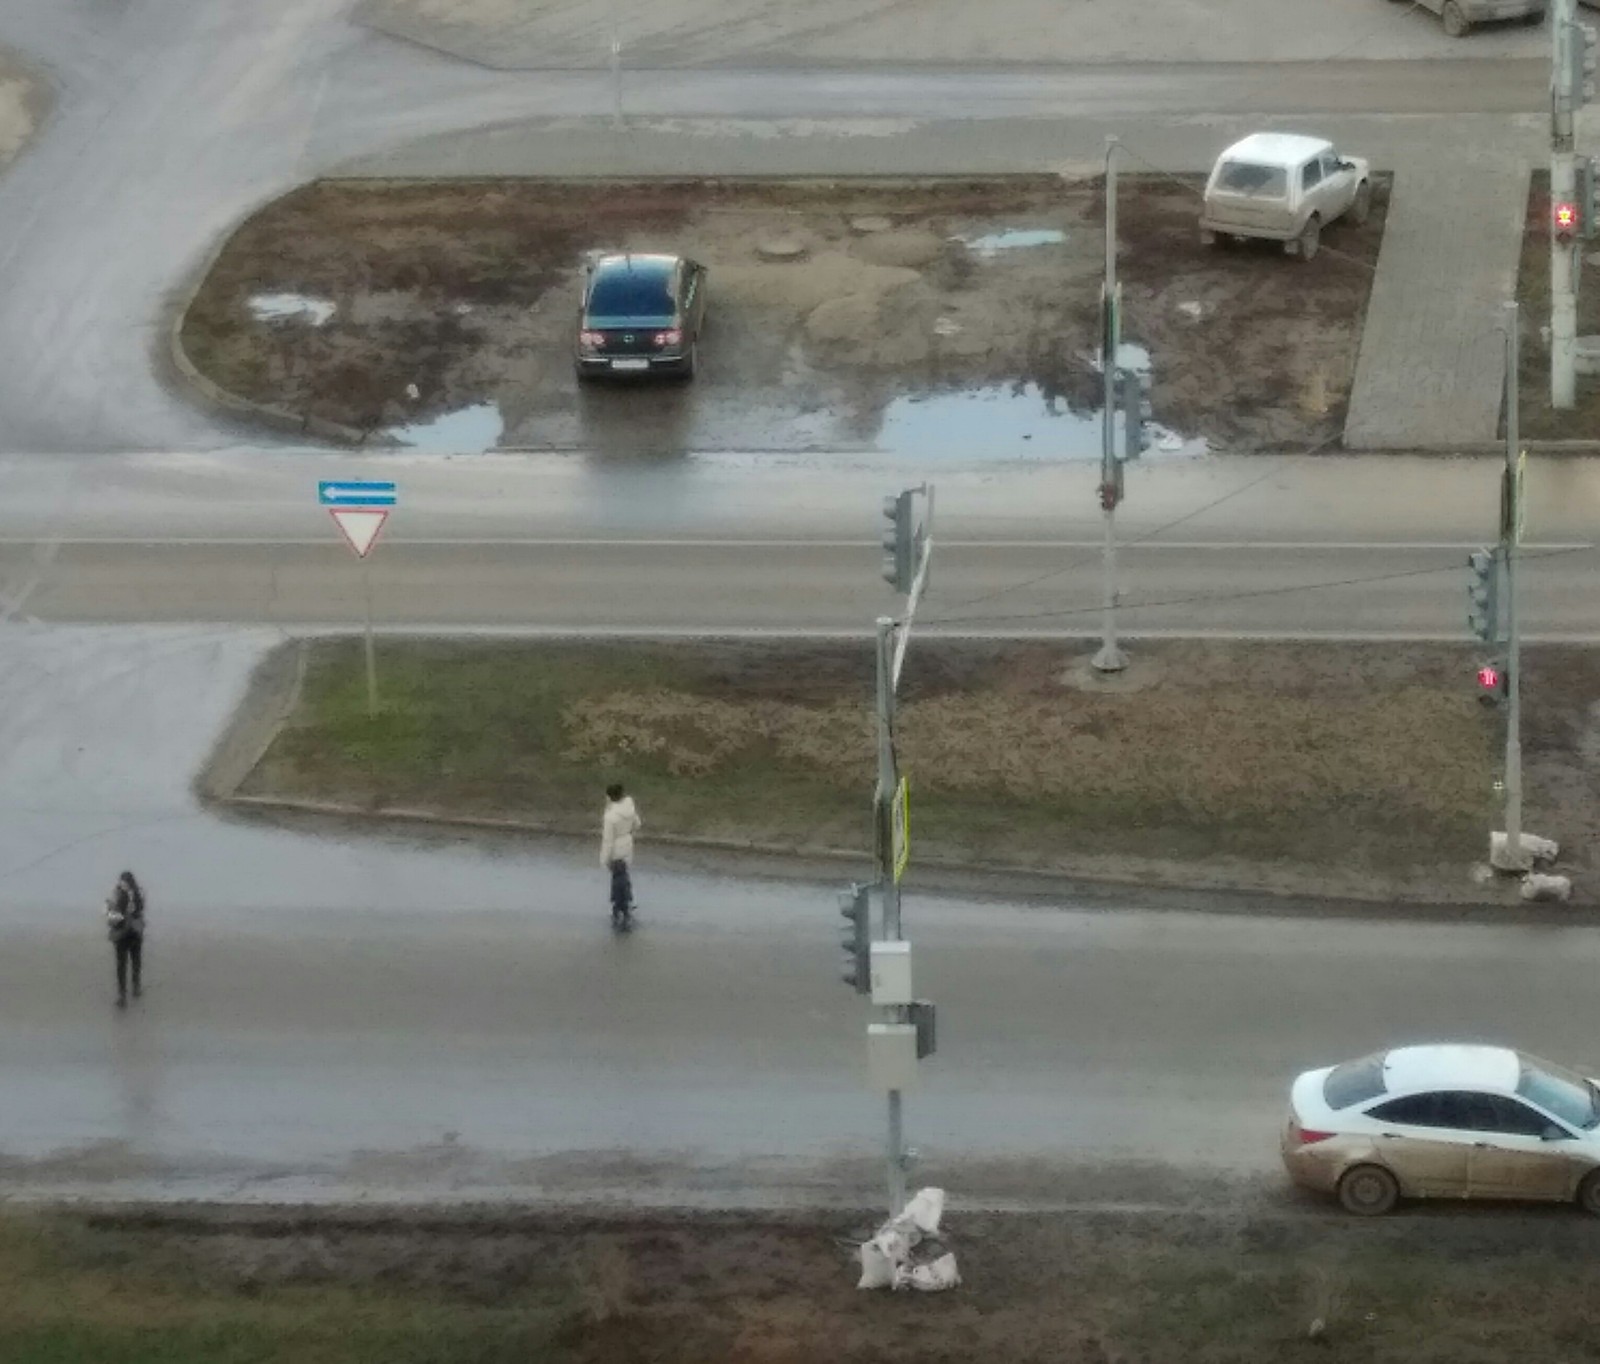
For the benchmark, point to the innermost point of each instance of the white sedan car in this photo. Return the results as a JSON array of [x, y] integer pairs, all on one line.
[[1445, 1122]]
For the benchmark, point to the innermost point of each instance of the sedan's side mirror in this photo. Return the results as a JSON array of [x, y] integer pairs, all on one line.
[[1553, 1133]]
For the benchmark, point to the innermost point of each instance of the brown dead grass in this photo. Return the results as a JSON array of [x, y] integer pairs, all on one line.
[[1309, 755], [1163, 1288]]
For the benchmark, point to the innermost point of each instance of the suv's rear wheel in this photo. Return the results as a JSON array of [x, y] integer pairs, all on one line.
[[1455, 22], [1310, 238]]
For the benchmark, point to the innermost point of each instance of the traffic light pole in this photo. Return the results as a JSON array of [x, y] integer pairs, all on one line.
[[1563, 187], [1510, 539], [888, 780], [1110, 658]]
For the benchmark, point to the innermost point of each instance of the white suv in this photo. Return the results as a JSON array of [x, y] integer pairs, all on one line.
[[1286, 188]]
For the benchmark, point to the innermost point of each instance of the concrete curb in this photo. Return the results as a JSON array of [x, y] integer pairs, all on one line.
[[269, 414], [271, 698], [987, 880]]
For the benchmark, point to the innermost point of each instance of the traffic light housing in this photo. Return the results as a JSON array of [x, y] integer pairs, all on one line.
[[1564, 219], [1483, 595], [855, 937], [1131, 390], [1580, 63], [1494, 683], [899, 542], [1588, 217]]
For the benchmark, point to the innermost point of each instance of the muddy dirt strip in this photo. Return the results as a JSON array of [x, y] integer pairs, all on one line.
[[954, 319]]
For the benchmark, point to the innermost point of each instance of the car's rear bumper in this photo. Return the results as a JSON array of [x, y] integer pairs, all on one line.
[[1223, 228], [632, 366]]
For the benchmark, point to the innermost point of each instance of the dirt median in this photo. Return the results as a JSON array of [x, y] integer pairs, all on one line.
[[1361, 770], [937, 318], [351, 1287]]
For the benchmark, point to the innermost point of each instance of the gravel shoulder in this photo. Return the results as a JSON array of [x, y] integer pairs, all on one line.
[[1322, 770], [952, 318]]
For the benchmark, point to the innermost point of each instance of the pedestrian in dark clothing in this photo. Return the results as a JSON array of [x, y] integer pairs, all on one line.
[[125, 927]]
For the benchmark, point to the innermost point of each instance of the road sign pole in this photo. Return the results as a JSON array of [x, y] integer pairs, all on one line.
[[372, 658], [1110, 658], [1510, 539]]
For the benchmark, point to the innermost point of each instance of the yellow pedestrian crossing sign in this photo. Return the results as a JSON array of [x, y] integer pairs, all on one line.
[[900, 829]]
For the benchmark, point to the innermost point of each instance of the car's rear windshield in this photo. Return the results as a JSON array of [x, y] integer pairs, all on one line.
[[1249, 177], [631, 291], [1557, 1090], [1354, 1082]]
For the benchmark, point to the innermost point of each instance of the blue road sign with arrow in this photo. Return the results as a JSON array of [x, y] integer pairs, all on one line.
[[355, 492]]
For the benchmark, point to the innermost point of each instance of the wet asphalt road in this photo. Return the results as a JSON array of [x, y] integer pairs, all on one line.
[[1362, 547], [393, 1017]]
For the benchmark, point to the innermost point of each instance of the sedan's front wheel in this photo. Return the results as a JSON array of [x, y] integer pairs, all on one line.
[[1368, 1191], [1589, 1193]]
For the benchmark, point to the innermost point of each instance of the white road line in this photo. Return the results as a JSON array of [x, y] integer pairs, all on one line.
[[536, 542]]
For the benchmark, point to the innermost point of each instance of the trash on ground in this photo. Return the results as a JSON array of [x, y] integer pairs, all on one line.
[[908, 1252]]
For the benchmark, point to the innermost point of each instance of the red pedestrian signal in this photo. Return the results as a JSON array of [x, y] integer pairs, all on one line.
[[1565, 217], [1494, 683], [1489, 677]]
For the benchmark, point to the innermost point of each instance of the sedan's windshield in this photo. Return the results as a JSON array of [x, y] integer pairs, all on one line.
[[1247, 177], [1570, 1097], [623, 291]]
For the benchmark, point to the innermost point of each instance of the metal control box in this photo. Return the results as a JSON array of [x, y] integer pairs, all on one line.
[[892, 1055], [891, 973]]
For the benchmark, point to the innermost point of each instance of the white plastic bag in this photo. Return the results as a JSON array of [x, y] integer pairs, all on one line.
[[933, 1277]]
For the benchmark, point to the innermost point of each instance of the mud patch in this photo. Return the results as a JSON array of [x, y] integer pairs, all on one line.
[[458, 298]]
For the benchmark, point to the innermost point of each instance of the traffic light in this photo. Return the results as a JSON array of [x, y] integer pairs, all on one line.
[[1494, 683], [1580, 55], [1564, 219], [1483, 595], [855, 937], [899, 542], [1131, 389]]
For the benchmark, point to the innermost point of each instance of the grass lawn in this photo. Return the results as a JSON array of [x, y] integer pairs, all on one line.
[[208, 1286], [1313, 754]]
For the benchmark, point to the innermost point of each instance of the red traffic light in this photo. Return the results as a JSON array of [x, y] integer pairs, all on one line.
[[1565, 216], [1489, 677]]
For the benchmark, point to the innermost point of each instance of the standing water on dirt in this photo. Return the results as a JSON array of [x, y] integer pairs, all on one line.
[[1012, 239], [466, 431]]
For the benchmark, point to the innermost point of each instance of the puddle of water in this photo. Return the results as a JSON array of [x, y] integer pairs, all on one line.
[[291, 308], [466, 431], [1013, 239], [1007, 421]]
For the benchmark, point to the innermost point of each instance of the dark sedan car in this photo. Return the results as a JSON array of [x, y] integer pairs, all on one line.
[[641, 315]]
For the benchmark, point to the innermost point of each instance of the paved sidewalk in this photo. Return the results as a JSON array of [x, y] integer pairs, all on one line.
[[1431, 369]]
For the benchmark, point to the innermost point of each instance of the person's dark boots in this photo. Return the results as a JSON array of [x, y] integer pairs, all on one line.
[[122, 1001], [138, 989]]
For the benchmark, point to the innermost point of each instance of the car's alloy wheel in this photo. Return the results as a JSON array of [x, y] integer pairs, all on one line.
[[1589, 1193], [1368, 1191], [1362, 208], [1455, 22]]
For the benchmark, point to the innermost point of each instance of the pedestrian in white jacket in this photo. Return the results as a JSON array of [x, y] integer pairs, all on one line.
[[617, 828]]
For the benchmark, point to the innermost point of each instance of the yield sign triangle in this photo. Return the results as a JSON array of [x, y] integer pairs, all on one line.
[[360, 526]]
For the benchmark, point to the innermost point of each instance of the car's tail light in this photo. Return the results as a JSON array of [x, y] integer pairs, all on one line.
[[591, 340], [1307, 1137], [671, 337]]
